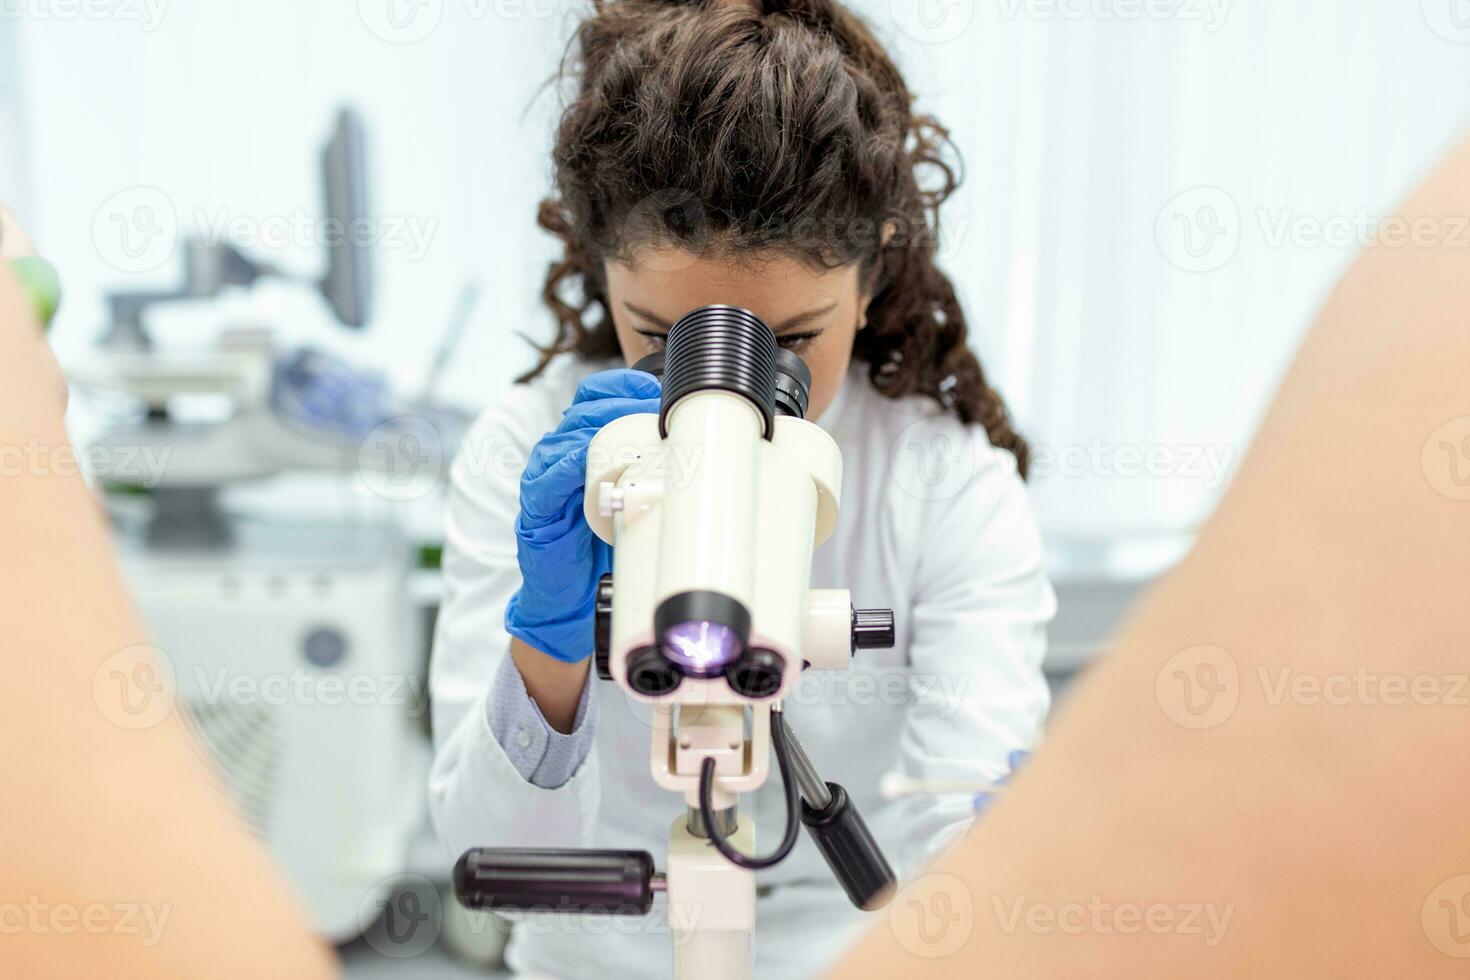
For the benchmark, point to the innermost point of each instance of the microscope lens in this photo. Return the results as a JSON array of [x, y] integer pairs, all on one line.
[[701, 648]]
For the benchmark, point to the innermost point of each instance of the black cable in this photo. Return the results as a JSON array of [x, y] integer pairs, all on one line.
[[793, 806]]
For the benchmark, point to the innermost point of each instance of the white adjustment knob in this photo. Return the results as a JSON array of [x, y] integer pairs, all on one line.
[[609, 499]]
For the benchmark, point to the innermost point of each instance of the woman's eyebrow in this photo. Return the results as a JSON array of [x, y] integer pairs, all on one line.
[[787, 324]]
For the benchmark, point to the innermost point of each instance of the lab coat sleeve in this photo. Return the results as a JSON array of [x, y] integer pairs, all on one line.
[[539, 752], [477, 796], [978, 636]]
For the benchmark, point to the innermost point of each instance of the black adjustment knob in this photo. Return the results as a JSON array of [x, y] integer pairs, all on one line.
[[872, 629], [549, 880], [602, 628]]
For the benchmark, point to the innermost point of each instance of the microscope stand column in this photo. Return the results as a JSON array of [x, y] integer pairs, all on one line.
[[711, 902]]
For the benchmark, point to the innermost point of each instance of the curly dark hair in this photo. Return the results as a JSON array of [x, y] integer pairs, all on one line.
[[737, 127]]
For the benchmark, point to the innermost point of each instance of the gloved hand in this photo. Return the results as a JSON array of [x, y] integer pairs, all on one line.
[[561, 559]]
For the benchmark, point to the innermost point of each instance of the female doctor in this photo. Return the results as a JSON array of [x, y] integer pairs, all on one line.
[[763, 154]]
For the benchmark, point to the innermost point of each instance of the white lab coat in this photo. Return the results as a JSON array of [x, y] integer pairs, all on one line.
[[934, 522]]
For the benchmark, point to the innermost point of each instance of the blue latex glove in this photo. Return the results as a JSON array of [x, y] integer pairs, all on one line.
[[561, 559]]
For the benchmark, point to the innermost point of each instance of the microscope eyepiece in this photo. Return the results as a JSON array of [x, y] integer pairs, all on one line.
[[793, 384], [652, 674], [651, 364], [712, 333], [724, 348], [757, 674]]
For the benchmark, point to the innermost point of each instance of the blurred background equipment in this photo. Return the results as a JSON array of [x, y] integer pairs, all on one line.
[[294, 656], [292, 632], [249, 380]]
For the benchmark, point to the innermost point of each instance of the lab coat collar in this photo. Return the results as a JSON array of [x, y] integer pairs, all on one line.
[[832, 416]]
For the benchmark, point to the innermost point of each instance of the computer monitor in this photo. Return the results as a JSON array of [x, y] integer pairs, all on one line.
[[348, 282]]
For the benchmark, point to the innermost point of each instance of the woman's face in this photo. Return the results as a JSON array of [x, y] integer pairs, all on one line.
[[814, 313]]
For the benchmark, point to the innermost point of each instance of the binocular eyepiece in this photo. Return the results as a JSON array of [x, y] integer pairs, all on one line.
[[706, 634], [729, 349]]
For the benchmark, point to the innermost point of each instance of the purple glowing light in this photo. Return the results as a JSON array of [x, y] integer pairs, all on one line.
[[701, 647]]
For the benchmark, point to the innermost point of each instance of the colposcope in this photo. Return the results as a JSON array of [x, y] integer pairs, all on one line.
[[713, 507]]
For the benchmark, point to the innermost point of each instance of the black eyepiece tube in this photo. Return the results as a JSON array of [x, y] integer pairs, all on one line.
[[723, 348], [651, 364], [726, 347], [793, 384]]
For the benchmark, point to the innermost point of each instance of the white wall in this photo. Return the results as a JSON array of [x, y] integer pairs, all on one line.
[[14, 186], [1078, 124]]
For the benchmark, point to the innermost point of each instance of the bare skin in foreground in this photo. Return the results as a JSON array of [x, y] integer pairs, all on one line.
[[1279, 735], [120, 856]]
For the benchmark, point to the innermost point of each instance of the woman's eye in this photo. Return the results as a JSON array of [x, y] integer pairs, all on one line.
[[795, 342], [791, 342]]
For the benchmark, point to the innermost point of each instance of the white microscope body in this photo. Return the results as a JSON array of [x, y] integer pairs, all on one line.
[[716, 508], [713, 508]]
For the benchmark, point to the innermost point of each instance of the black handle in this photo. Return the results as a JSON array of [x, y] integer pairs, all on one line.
[[851, 852], [519, 879]]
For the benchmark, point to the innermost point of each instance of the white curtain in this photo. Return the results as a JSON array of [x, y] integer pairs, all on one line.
[[1138, 368]]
